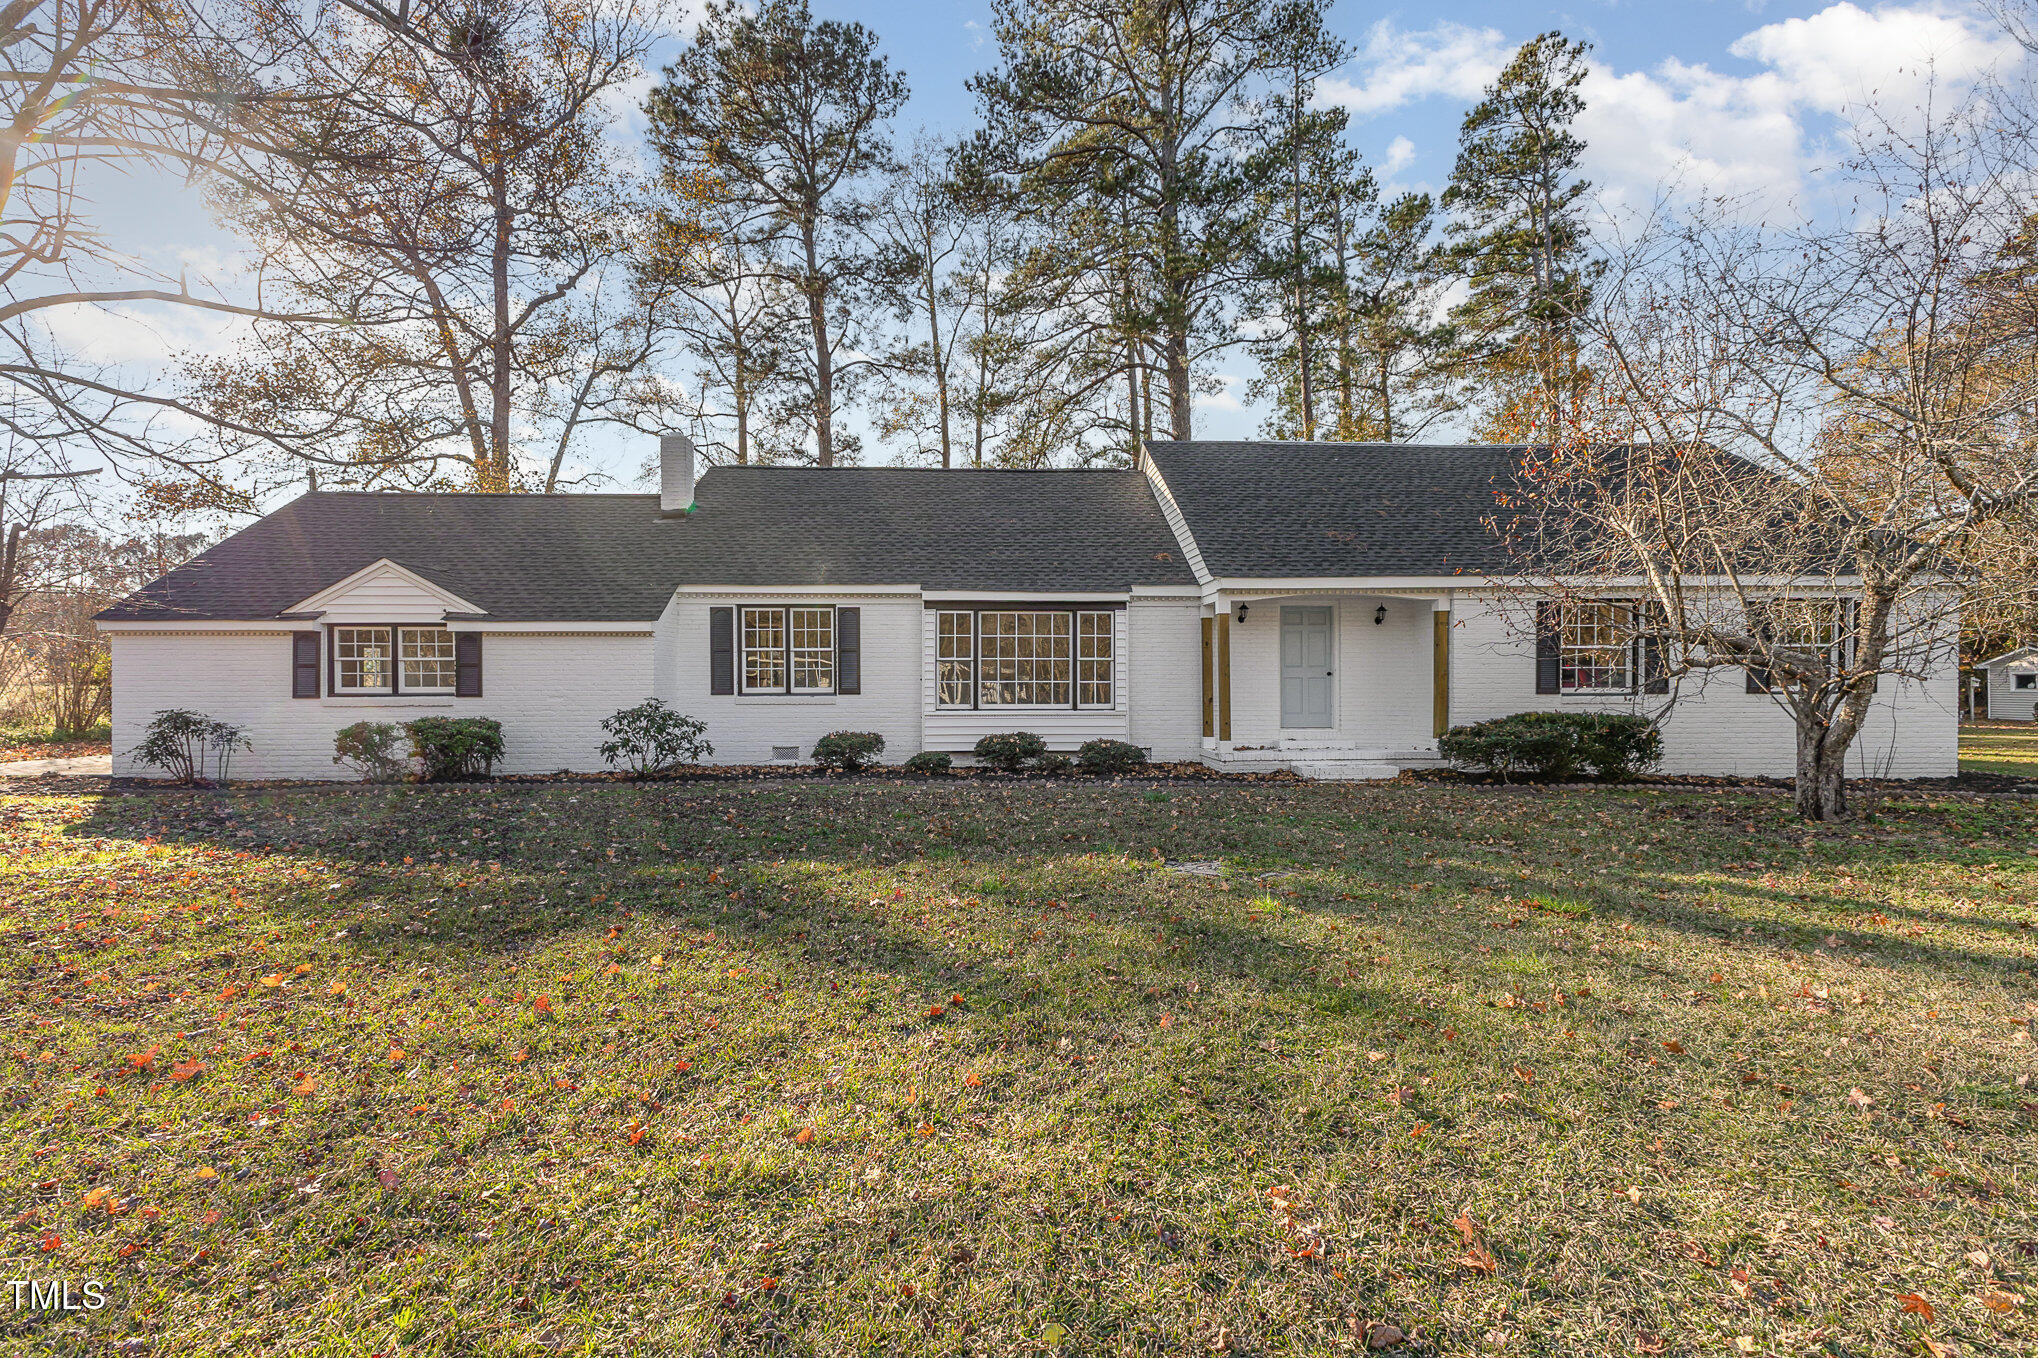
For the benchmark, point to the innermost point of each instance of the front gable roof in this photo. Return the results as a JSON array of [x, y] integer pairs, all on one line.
[[378, 577]]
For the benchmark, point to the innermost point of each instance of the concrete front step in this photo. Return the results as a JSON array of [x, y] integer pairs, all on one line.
[[1344, 770]]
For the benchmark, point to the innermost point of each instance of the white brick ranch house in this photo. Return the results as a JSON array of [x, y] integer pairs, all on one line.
[[1322, 607]]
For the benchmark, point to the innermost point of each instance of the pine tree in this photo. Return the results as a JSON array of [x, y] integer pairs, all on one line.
[[793, 114], [1520, 242]]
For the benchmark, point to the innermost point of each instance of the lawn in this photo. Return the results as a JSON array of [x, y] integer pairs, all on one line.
[[895, 1069], [1999, 747]]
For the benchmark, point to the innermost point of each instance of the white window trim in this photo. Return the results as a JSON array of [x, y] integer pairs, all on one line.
[[395, 688], [1075, 613], [786, 651], [339, 686], [451, 659], [1565, 649]]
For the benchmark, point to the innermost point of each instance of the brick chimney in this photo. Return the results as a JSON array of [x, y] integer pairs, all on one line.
[[675, 474]]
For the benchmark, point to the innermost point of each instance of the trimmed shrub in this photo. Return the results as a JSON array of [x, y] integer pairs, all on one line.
[[929, 764], [186, 744], [651, 738], [452, 748], [1054, 763], [1110, 758], [1609, 745], [371, 749], [848, 751], [1619, 746], [1010, 752]]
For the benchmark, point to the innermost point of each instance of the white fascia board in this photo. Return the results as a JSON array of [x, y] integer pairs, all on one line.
[[452, 602], [1167, 591], [209, 625], [1025, 596], [284, 628], [784, 591]]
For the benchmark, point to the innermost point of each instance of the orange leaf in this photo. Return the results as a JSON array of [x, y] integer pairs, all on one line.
[[1674, 1047], [805, 1135], [926, 1129], [184, 1070], [973, 1080], [337, 988], [1528, 1077], [207, 1172], [1167, 1020], [395, 1052], [955, 999], [142, 1060], [1479, 1259], [1917, 1306], [637, 1130], [935, 1012], [542, 1005], [274, 978], [304, 1086], [301, 968]]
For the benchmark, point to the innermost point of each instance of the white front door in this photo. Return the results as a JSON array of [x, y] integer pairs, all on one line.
[[1305, 667]]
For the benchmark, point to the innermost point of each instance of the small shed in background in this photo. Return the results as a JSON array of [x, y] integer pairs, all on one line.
[[2012, 680]]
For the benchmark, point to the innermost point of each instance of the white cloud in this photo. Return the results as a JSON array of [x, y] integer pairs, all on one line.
[[1398, 67], [1400, 155], [1745, 134], [1757, 134]]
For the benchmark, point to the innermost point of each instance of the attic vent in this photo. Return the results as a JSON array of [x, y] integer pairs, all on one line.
[[779, 752]]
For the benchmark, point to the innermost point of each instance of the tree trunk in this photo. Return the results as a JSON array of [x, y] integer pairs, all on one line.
[[935, 352], [1821, 775], [502, 357], [824, 360], [1304, 359]]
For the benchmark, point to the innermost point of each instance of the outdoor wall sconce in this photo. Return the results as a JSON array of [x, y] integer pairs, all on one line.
[[1379, 615], [1239, 616]]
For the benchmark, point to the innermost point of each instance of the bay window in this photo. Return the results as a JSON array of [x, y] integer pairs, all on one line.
[[1025, 657]]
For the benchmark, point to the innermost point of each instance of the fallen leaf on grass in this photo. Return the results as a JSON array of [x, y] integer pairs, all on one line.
[[387, 1178], [184, 1070], [1913, 1304], [2001, 1301], [1381, 1335], [1476, 1256], [304, 1086], [804, 1136], [973, 1080], [1859, 1100], [542, 1005]]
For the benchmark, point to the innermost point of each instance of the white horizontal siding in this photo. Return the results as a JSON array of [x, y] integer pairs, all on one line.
[[957, 729], [2005, 701], [384, 594]]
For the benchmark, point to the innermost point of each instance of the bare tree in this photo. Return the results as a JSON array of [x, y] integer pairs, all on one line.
[[466, 231], [1800, 434]]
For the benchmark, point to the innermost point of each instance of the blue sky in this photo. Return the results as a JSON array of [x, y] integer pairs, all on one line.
[[1748, 99]]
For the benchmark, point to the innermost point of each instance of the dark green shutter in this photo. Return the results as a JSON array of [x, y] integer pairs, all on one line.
[[304, 664], [1549, 646], [467, 664], [848, 650], [721, 650]]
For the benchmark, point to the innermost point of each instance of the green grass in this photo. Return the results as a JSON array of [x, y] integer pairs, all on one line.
[[1999, 747], [958, 1070]]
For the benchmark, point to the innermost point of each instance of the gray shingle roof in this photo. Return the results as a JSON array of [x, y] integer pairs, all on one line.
[[1291, 510], [613, 558]]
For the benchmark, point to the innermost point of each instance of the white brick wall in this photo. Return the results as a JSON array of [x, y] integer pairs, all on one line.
[[1164, 676], [743, 729], [1714, 726], [1382, 672], [549, 691]]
